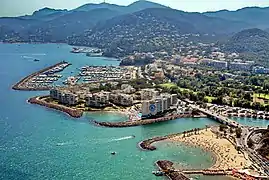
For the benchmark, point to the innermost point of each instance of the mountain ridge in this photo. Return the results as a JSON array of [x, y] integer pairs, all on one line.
[[245, 14], [47, 24]]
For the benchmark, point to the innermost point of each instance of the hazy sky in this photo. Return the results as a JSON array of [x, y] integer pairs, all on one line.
[[22, 7]]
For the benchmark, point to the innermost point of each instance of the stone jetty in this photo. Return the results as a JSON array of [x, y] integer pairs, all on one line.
[[168, 169], [147, 144], [141, 122]]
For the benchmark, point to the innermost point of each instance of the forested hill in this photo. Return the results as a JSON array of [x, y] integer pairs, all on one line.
[[54, 25], [251, 43], [151, 30]]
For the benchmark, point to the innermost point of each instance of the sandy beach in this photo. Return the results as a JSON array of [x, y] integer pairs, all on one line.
[[226, 154]]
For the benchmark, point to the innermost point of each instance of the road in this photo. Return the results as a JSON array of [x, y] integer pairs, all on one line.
[[260, 161]]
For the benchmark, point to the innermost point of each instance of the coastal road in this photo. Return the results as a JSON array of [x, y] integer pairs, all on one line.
[[243, 141]]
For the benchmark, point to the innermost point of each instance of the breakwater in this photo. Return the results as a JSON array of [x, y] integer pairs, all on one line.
[[147, 144], [141, 122], [168, 169], [22, 84], [76, 113]]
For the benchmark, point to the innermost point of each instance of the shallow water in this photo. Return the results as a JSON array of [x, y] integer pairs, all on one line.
[[252, 121]]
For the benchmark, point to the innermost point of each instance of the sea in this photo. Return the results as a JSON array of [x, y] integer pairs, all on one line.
[[37, 143]]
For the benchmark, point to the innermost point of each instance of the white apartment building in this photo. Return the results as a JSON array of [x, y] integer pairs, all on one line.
[[122, 99], [64, 96], [100, 99], [148, 94]]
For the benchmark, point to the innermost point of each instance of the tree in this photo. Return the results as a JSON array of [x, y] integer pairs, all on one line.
[[238, 132], [222, 127], [247, 96], [250, 143]]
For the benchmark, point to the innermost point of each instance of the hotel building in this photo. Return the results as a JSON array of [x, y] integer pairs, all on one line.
[[158, 105]]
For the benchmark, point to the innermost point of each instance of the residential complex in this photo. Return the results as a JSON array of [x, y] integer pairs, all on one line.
[[100, 99], [121, 99], [148, 94], [218, 64], [64, 97], [241, 66]]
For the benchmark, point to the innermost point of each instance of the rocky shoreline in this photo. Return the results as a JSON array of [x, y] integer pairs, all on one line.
[[70, 111], [21, 85]]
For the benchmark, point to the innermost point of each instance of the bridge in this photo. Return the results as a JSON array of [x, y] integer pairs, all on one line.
[[218, 117]]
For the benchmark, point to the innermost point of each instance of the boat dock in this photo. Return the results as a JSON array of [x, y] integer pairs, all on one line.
[[166, 168], [41, 80]]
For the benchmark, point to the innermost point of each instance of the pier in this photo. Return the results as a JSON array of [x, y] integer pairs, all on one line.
[[208, 172], [168, 170]]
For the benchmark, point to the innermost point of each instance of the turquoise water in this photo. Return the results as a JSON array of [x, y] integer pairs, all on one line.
[[40, 143], [252, 121]]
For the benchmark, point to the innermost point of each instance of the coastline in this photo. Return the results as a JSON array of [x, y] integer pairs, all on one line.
[[77, 113], [226, 155], [70, 111], [147, 144]]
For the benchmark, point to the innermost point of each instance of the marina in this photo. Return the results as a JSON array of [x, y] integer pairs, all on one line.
[[104, 73], [91, 52], [43, 79]]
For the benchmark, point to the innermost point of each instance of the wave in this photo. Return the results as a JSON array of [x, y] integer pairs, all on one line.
[[63, 143], [27, 57], [38, 54], [122, 138]]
